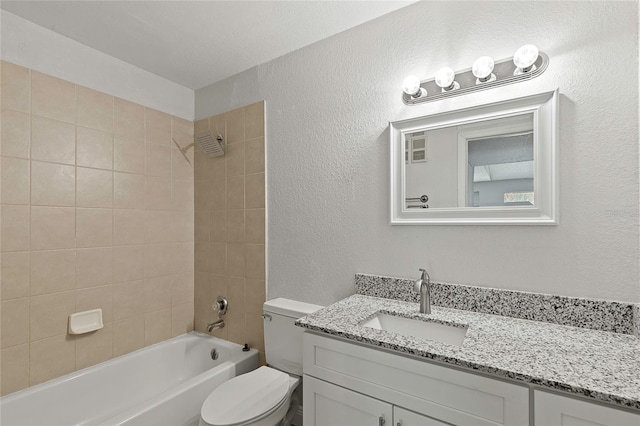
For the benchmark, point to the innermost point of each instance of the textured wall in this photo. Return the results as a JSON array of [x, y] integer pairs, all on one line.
[[230, 226], [97, 212], [328, 107]]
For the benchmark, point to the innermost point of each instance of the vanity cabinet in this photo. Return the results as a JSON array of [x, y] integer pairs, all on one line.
[[348, 379], [557, 410]]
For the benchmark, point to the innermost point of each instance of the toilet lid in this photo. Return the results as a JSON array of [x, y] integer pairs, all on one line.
[[246, 397]]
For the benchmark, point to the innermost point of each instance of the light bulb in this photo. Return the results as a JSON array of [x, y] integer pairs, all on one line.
[[482, 70], [524, 58], [411, 86], [445, 78]]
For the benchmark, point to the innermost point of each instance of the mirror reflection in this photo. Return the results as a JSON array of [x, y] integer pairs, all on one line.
[[481, 164]]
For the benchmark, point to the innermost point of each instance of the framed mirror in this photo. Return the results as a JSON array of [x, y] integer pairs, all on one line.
[[490, 164]]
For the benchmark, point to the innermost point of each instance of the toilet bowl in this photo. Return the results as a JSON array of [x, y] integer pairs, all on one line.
[[270, 395], [259, 398]]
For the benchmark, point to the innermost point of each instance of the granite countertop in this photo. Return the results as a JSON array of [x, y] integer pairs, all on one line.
[[601, 365]]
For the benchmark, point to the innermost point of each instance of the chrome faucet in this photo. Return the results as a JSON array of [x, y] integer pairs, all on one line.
[[423, 286]]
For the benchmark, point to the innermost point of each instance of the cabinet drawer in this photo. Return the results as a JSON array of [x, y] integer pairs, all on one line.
[[556, 410], [446, 394], [402, 417]]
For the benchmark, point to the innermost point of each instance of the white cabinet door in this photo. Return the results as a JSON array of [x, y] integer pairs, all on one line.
[[330, 405], [556, 410], [402, 417]]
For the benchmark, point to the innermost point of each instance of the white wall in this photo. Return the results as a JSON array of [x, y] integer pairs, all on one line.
[[328, 106], [32, 46]]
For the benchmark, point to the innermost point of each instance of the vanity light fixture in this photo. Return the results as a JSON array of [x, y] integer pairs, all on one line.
[[527, 63], [525, 59], [445, 79], [411, 86], [482, 69]]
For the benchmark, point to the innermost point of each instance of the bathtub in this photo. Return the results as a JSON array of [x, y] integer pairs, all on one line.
[[163, 384]]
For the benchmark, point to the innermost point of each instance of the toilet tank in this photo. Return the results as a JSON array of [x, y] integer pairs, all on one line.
[[282, 339]]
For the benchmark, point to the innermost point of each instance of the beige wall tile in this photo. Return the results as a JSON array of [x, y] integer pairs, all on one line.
[[202, 195], [182, 255], [14, 228], [182, 165], [52, 184], [201, 225], [128, 191], [217, 124], [95, 188], [128, 119], [236, 259], [182, 226], [218, 259], [202, 257], [208, 168], [53, 141], [14, 322], [51, 358], [218, 225], [157, 260], [254, 156], [53, 271], [96, 298], [15, 133], [14, 179], [53, 228], [128, 299], [95, 109], [255, 226], [53, 98], [128, 263], [14, 369], [254, 191], [182, 129], [95, 149], [128, 335], [94, 267], [157, 326], [203, 297], [234, 121], [95, 347], [128, 227], [182, 195], [14, 275], [128, 156], [158, 193], [50, 313], [181, 319], [158, 160], [94, 227], [235, 192], [236, 294], [255, 330], [158, 226], [182, 288], [157, 127], [255, 261], [236, 327], [254, 120], [234, 156], [201, 126], [235, 226], [157, 293], [255, 295], [16, 88]]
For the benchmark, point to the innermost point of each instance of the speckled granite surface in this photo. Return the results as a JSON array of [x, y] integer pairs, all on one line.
[[577, 312], [601, 365]]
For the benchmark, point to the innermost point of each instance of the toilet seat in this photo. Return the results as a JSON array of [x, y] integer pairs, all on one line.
[[246, 398]]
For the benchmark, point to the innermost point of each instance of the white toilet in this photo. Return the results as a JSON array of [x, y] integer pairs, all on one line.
[[266, 396]]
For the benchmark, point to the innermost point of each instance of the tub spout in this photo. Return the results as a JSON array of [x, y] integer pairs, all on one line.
[[215, 325]]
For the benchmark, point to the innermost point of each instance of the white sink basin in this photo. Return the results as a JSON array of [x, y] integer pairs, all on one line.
[[429, 330]]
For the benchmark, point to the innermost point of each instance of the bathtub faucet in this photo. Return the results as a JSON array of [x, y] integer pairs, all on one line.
[[219, 306], [215, 325]]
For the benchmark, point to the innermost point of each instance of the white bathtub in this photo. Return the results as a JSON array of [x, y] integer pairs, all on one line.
[[163, 384]]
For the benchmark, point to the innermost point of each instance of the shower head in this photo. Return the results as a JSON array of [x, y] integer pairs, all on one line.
[[210, 145]]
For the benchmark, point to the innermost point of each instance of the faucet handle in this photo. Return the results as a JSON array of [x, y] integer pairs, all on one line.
[[425, 275]]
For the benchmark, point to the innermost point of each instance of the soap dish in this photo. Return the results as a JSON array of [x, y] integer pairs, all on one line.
[[85, 322]]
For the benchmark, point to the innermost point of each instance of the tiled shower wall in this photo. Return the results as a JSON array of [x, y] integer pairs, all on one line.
[[97, 212], [230, 226]]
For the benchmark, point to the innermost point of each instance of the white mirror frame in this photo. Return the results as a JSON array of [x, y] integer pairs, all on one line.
[[544, 107]]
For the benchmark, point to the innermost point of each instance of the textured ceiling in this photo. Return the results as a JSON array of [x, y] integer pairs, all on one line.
[[197, 43]]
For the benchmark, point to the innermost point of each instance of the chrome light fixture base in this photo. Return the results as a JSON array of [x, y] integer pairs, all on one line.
[[503, 71]]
